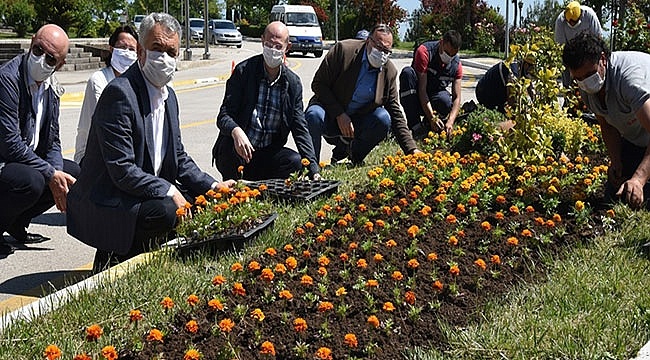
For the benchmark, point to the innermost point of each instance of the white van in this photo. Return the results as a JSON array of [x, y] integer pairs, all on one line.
[[304, 31]]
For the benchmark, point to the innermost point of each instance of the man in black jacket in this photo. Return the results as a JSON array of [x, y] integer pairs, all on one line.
[[33, 174], [263, 103]]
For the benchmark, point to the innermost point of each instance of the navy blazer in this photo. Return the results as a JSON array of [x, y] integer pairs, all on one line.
[[117, 172], [242, 90], [18, 121]]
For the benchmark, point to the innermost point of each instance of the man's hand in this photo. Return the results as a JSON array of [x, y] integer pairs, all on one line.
[[345, 125], [436, 123], [449, 128], [228, 184], [242, 144], [59, 186], [179, 199], [632, 192]]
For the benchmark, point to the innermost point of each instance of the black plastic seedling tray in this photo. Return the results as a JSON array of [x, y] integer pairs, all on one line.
[[298, 190]]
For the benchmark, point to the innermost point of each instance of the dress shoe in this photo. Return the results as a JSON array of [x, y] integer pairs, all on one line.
[[6, 249], [29, 238]]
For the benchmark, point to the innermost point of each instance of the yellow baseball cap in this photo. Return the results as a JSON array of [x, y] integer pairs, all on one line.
[[572, 11]]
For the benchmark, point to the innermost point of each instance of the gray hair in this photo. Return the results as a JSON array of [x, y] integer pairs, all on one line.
[[167, 21]]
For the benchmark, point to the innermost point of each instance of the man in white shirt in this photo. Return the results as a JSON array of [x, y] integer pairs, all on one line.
[[33, 174], [135, 169]]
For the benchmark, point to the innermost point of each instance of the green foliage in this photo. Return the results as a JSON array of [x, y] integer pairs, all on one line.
[[633, 30], [480, 132], [20, 14]]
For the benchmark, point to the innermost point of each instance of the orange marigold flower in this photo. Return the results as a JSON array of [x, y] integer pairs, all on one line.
[[472, 202], [550, 223], [342, 223], [280, 268], [305, 162], [323, 261], [378, 258], [180, 212], [519, 192], [300, 231], [413, 231], [218, 280], [324, 306], [322, 271], [82, 356], [193, 300], [109, 352], [530, 209], [611, 213], [495, 259], [409, 297], [397, 276], [215, 304], [192, 326], [236, 267], [512, 241], [238, 289], [579, 206], [426, 210], [480, 263], [380, 223], [388, 306], [135, 315], [350, 340], [557, 218], [267, 275], [499, 215], [291, 262], [52, 352], [200, 201], [306, 254], [324, 354], [514, 209], [413, 264], [328, 232], [306, 280], [451, 219], [391, 243], [341, 291], [486, 226], [460, 233], [348, 217], [460, 208], [501, 199], [94, 332], [373, 321], [526, 233], [369, 226], [437, 286], [432, 256], [286, 294], [353, 246], [240, 168], [254, 266], [539, 221], [362, 207], [155, 335], [396, 209], [299, 325], [344, 257], [453, 241], [267, 348], [258, 315], [270, 251], [226, 325], [372, 283], [362, 263], [454, 270], [192, 354]]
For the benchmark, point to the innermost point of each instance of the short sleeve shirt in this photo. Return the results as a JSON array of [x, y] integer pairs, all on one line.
[[627, 88], [588, 22]]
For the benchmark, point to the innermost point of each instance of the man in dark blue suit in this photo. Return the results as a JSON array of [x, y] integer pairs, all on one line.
[[135, 168], [33, 174]]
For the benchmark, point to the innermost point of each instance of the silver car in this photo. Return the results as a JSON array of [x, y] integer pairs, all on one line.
[[224, 32], [196, 29]]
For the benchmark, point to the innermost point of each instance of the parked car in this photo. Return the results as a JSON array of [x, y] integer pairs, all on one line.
[[136, 21], [224, 32], [196, 29]]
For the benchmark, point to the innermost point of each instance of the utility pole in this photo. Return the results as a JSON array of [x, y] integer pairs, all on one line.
[[188, 51], [166, 6], [507, 44], [206, 30], [336, 20]]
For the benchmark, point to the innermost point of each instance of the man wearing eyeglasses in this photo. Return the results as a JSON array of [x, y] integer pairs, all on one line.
[[33, 174], [262, 104], [355, 101], [423, 85]]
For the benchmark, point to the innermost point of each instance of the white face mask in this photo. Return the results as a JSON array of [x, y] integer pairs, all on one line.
[[272, 57], [445, 58], [159, 68], [121, 59], [377, 58], [592, 84], [39, 70]]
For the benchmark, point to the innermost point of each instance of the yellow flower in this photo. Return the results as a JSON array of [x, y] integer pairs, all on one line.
[[341, 291]]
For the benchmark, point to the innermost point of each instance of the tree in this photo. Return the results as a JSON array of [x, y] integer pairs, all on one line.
[[20, 14], [60, 12]]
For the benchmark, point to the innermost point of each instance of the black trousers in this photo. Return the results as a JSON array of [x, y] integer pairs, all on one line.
[[267, 163], [156, 219], [25, 194]]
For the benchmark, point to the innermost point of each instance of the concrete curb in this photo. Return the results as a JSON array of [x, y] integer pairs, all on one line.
[[52, 301]]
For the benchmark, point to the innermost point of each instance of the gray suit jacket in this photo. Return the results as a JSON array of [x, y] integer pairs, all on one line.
[[117, 172]]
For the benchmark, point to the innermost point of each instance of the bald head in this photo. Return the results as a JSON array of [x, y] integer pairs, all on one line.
[[276, 32], [52, 40]]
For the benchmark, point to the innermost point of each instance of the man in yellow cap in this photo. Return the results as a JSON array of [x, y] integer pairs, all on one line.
[[572, 21]]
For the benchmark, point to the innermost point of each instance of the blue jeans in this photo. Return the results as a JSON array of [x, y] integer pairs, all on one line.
[[369, 130]]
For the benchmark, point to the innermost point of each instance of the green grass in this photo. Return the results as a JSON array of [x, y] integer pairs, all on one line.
[[595, 303]]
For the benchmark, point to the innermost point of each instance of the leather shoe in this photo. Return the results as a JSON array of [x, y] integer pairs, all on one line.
[[6, 249], [29, 238]]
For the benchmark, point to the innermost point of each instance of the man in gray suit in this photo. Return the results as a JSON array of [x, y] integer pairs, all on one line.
[[135, 168], [33, 174]]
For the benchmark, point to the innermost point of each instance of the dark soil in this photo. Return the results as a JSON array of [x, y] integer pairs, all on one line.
[[458, 304]]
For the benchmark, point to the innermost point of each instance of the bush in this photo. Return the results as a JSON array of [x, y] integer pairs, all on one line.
[[20, 14]]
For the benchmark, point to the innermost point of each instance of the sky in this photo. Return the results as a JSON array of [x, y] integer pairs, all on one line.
[[411, 5]]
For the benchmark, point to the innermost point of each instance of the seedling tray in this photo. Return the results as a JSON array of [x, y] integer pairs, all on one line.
[[222, 242], [298, 190]]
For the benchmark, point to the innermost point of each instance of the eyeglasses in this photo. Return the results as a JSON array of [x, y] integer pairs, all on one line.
[[274, 46], [381, 47], [49, 59]]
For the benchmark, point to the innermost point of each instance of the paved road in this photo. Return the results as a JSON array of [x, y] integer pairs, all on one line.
[[36, 270]]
